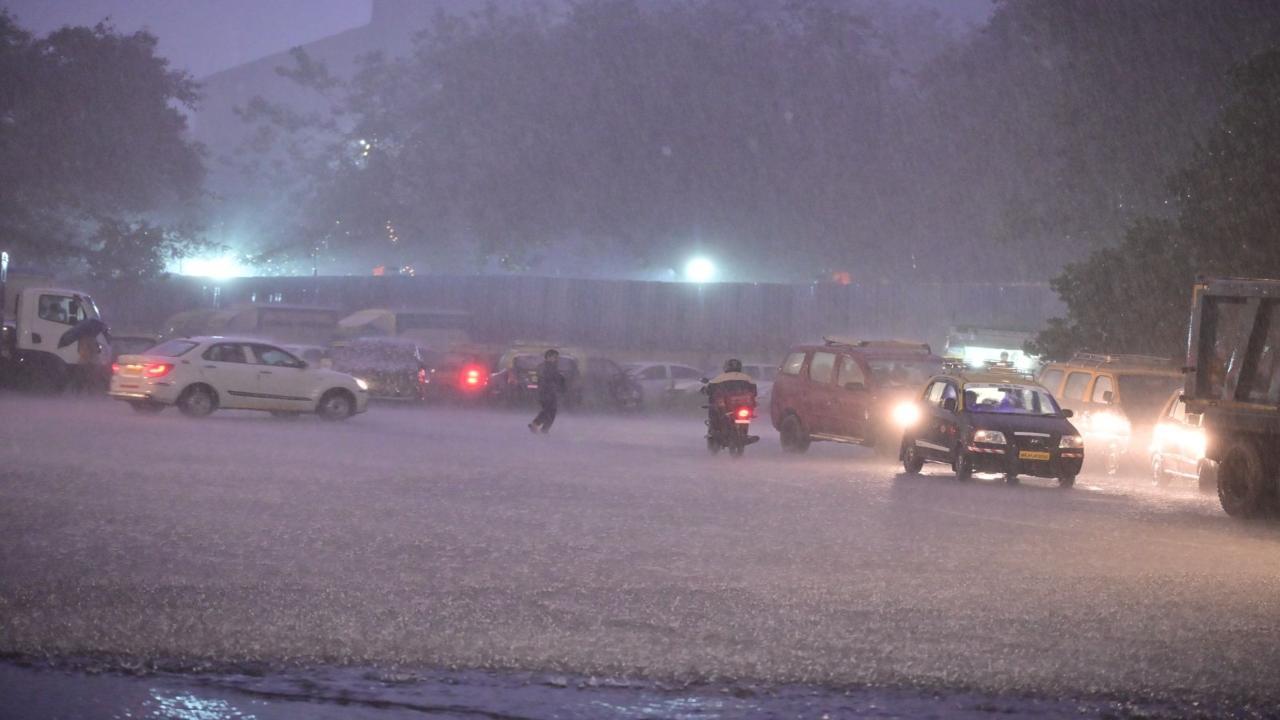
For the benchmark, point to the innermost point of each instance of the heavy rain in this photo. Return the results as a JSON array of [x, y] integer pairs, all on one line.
[[639, 358]]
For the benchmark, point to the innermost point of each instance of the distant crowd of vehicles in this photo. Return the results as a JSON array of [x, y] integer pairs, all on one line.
[[1214, 422]]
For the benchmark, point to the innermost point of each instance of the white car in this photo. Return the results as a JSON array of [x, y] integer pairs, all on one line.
[[659, 379], [761, 373], [202, 374]]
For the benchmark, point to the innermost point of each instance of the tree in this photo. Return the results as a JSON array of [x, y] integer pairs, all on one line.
[[1135, 297], [92, 149]]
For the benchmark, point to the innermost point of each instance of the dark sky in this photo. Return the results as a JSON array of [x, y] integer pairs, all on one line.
[[204, 36]]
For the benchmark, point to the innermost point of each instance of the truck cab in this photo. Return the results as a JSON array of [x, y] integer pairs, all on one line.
[[35, 318], [1232, 382]]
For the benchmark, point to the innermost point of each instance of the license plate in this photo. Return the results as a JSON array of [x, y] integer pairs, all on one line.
[[1034, 455], [743, 422]]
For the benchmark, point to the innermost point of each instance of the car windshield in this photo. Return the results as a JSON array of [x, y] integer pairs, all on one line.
[[1010, 399], [172, 348], [904, 373], [1143, 395]]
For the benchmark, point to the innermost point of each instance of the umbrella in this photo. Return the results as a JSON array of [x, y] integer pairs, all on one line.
[[89, 327]]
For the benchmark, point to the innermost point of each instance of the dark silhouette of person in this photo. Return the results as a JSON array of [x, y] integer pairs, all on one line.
[[551, 384]]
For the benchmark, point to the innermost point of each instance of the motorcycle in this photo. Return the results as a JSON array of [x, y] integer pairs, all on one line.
[[729, 423]]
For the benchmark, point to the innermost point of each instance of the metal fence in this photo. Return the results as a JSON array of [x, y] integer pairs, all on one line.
[[621, 315]]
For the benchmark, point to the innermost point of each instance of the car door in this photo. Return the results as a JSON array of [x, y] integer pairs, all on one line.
[[284, 382], [55, 314], [852, 399], [820, 394], [654, 382], [941, 420], [226, 368]]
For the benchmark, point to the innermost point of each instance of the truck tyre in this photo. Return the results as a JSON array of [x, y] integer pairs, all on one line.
[[1245, 488], [197, 401], [793, 435]]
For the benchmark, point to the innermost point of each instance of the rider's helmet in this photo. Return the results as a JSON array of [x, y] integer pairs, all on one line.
[[733, 365], [551, 354]]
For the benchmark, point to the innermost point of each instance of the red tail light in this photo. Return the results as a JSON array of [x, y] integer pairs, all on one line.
[[744, 413], [115, 368], [155, 370], [473, 378]]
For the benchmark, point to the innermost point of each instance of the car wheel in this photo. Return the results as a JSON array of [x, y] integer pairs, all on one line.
[[912, 461], [1207, 477], [964, 466], [1159, 477], [197, 401], [793, 435], [146, 407], [1244, 489], [1067, 481], [336, 405]]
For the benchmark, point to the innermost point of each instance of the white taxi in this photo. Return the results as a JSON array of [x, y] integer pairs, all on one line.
[[202, 374]]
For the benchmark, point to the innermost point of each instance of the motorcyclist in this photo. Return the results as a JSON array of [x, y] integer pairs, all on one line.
[[730, 382]]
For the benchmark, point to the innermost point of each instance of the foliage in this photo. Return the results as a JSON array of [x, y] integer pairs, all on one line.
[[1135, 297], [91, 144]]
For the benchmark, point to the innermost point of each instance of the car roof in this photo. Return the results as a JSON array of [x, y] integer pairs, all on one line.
[[231, 339], [1132, 364], [987, 377]]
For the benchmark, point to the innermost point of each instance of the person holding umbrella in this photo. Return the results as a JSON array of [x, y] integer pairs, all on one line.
[[85, 334]]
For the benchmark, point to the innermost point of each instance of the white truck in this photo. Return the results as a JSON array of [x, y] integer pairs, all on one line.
[[34, 316]]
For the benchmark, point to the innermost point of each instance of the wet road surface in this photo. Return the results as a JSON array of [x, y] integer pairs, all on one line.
[[615, 547]]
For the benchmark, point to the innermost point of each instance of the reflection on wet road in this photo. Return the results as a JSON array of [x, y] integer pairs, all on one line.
[[613, 548]]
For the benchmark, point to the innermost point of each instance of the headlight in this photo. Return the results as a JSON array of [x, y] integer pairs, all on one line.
[[1109, 423], [906, 414], [993, 437], [360, 383], [1071, 442]]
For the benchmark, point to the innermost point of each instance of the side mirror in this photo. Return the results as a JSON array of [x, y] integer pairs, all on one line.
[[1068, 413], [949, 404], [855, 386], [1108, 397]]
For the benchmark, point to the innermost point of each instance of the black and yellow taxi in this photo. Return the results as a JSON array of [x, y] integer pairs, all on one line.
[[992, 421]]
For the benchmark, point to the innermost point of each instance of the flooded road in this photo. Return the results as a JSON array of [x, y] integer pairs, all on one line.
[[441, 541]]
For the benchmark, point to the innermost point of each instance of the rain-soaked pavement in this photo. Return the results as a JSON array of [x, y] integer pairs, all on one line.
[[449, 562]]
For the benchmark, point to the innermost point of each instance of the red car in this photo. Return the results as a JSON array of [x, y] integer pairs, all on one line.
[[850, 391]]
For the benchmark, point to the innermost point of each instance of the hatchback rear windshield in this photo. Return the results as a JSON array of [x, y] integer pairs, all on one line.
[[172, 348]]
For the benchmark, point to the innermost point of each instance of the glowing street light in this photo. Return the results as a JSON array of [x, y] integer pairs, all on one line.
[[222, 267], [699, 270]]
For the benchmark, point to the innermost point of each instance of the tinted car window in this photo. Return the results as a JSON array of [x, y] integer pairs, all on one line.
[[680, 372], [793, 363], [225, 352], [904, 373], [267, 355], [850, 372], [1077, 383], [1101, 387], [1143, 395], [1052, 380], [653, 372], [822, 366]]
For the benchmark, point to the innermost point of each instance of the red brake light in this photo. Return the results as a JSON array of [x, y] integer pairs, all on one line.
[[155, 370], [473, 377], [115, 368], [744, 412]]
